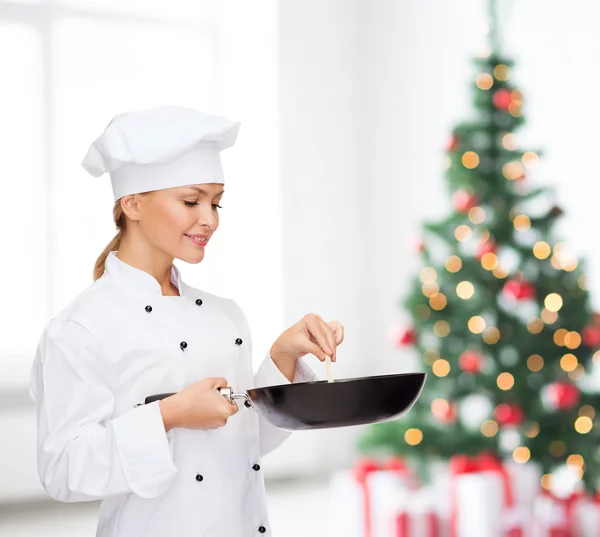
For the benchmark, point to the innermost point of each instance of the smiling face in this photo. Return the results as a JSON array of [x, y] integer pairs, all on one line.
[[180, 221]]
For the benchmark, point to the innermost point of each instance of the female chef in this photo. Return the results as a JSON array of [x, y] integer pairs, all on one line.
[[190, 464]]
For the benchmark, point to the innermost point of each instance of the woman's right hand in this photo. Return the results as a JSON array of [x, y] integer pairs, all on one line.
[[198, 406]]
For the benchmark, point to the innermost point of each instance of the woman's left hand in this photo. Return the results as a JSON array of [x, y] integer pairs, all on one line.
[[310, 335]]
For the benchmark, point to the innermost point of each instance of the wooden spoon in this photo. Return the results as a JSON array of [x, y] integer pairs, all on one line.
[[328, 365]]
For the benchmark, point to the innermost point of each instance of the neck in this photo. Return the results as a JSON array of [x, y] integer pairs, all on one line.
[[155, 262]]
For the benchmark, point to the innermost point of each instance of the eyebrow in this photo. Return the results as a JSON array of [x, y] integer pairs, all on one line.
[[204, 191]]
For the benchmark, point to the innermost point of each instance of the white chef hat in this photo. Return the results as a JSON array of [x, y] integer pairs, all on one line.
[[161, 147]]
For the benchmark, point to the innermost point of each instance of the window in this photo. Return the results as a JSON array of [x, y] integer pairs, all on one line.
[[73, 64]]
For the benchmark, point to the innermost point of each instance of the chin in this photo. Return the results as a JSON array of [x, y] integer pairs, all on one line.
[[192, 259]]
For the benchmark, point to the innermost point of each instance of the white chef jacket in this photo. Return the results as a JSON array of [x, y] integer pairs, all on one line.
[[117, 342]]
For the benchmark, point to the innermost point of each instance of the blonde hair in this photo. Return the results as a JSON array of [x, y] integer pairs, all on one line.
[[120, 220]]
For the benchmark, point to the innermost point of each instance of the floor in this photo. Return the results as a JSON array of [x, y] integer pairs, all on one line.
[[54, 519]]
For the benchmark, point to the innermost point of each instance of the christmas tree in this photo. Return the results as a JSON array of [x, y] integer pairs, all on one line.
[[501, 318]]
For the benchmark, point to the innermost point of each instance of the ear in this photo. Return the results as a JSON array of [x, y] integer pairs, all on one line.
[[131, 205]]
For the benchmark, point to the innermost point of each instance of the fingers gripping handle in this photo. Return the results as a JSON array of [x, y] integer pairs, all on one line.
[[226, 392]]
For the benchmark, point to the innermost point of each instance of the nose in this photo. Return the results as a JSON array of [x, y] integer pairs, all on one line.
[[207, 217]]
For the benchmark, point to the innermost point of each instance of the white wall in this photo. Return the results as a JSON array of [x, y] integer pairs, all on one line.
[[324, 220]]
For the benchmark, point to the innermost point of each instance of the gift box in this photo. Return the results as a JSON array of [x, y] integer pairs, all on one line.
[[551, 517], [365, 499], [418, 516], [577, 515], [586, 517], [483, 500]]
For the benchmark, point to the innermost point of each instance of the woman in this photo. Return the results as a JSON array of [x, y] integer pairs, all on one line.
[[187, 465]]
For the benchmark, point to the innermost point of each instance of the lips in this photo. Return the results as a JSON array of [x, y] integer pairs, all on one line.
[[198, 240]]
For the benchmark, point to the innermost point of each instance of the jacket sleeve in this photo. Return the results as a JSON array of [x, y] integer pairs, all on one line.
[[83, 453], [268, 374]]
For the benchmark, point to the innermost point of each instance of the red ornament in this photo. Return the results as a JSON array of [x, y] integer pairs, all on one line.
[[502, 99], [453, 142], [508, 414], [591, 336], [406, 337], [443, 411], [519, 290], [562, 395], [464, 201], [487, 247], [470, 362]]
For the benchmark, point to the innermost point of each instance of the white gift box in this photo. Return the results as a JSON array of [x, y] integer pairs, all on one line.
[[553, 518], [549, 517], [586, 516], [491, 498], [525, 481], [479, 504], [349, 503], [419, 516]]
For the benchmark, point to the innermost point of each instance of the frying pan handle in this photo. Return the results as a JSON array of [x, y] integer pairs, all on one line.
[[226, 392], [156, 397]]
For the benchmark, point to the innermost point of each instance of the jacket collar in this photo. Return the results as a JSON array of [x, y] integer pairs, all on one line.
[[137, 279]]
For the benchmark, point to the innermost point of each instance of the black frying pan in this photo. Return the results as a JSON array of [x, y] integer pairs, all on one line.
[[323, 404]]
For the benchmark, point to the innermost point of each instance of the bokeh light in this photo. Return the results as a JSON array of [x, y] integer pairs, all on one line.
[[535, 326], [489, 261], [484, 81], [521, 454], [470, 160], [440, 368], [441, 328], [568, 362], [502, 72], [559, 337], [453, 263], [572, 340], [513, 170], [428, 275], [489, 428], [535, 362], [583, 424], [541, 250], [522, 222], [465, 290], [549, 317], [532, 429], [438, 301], [463, 233], [531, 159], [476, 215], [553, 302], [413, 436], [477, 324], [505, 381], [509, 141], [491, 335]]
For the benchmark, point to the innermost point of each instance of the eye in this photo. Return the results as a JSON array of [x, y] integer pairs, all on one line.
[[215, 206], [190, 203]]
